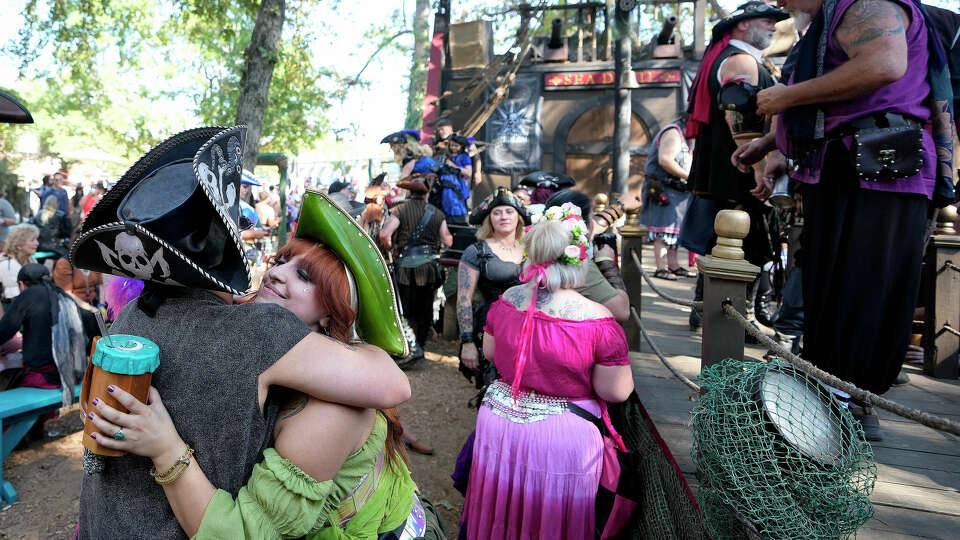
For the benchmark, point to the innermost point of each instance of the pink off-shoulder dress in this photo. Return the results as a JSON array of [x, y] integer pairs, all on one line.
[[536, 467]]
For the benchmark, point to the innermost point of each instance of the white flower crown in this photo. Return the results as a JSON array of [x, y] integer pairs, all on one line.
[[569, 214]]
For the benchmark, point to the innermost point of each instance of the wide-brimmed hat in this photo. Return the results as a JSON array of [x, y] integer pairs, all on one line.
[[12, 111], [415, 183], [378, 315], [750, 10], [402, 137], [548, 180], [501, 197], [173, 217]]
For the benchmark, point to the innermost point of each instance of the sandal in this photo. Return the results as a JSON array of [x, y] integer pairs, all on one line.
[[681, 272], [663, 273]]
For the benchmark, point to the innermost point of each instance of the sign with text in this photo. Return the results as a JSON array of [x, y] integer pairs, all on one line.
[[606, 78]]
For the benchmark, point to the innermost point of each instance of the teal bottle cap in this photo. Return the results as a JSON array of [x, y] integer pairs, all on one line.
[[130, 355]]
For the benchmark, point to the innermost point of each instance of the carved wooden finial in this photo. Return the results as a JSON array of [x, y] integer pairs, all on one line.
[[600, 201], [946, 219], [732, 227]]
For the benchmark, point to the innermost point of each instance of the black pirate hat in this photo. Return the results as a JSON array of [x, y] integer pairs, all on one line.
[[750, 10], [173, 217], [501, 197], [548, 179], [12, 111], [402, 137]]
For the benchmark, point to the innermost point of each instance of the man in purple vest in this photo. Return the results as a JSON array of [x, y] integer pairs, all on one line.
[[861, 69]]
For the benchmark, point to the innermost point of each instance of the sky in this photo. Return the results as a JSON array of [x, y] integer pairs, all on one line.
[[369, 113]]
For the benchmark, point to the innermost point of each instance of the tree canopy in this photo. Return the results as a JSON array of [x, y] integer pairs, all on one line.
[[95, 72]]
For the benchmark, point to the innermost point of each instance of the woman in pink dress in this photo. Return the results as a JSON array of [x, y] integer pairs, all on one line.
[[536, 466]]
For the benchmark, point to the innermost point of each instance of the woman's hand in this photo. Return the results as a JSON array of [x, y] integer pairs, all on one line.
[[469, 355], [147, 429]]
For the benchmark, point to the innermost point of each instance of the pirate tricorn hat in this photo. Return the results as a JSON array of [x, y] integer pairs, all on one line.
[[12, 111], [548, 179], [750, 10], [501, 197], [173, 217], [378, 314]]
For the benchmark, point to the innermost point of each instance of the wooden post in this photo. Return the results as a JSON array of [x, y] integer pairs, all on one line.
[[941, 347], [632, 235], [699, 28], [725, 275], [626, 81]]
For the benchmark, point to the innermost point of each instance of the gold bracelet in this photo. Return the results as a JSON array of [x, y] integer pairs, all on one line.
[[173, 478], [175, 470]]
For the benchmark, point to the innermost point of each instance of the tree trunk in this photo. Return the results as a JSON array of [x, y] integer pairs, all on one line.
[[419, 63], [260, 57]]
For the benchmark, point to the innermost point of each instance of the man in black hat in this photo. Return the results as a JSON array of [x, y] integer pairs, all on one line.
[[734, 57], [444, 129], [173, 221]]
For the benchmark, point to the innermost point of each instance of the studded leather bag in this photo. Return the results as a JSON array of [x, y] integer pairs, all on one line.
[[890, 148]]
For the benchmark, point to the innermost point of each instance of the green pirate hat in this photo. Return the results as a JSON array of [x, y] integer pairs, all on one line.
[[378, 315]]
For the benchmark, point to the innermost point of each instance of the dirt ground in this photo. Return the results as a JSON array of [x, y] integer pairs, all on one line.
[[47, 473]]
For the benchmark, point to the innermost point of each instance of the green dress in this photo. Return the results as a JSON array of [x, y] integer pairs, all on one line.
[[368, 496]]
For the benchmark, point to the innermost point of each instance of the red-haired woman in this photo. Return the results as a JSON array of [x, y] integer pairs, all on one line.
[[334, 471]]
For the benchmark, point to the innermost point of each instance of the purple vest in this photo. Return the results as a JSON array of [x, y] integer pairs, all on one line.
[[906, 96]]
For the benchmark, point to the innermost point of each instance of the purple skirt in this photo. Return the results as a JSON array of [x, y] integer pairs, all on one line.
[[533, 480]]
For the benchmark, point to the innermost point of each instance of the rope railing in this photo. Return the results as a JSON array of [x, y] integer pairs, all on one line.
[[688, 303], [951, 266], [948, 328], [932, 421], [656, 350]]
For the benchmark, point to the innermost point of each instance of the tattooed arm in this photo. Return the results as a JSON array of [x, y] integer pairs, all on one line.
[[466, 285], [873, 35]]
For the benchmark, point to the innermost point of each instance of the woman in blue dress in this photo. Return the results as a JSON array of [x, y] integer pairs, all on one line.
[[456, 190]]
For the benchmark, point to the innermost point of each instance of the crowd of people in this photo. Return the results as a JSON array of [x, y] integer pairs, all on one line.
[[249, 431]]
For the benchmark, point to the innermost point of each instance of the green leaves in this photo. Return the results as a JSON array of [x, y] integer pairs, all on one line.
[[119, 75]]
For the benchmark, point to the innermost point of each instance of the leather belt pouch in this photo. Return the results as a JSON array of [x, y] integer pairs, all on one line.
[[882, 154], [415, 256]]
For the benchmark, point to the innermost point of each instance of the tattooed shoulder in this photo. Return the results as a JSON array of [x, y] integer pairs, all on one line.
[[572, 310], [516, 295], [869, 20]]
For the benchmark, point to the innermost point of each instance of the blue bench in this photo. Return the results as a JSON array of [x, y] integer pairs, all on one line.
[[19, 410]]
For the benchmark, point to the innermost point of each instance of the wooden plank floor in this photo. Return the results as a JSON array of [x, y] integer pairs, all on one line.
[[917, 494]]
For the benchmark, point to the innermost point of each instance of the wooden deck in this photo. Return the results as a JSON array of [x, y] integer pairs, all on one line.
[[917, 494]]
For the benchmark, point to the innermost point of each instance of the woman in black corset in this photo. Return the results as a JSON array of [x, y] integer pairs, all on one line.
[[491, 265]]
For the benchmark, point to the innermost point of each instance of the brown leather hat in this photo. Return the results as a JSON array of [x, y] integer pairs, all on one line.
[[415, 183]]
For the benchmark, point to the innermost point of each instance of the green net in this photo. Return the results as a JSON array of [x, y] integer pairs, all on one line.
[[778, 456]]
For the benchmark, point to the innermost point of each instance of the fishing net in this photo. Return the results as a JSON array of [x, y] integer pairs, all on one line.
[[778, 455], [666, 508]]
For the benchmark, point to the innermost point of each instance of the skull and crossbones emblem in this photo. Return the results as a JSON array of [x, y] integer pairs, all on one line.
[[128, 256]]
